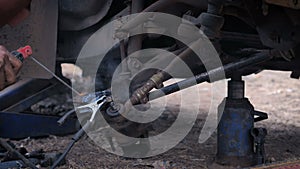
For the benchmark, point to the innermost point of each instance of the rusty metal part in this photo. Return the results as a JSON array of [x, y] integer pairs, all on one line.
[[140, 95], [135, 42], [123, 56], [212, 21], [229, 68], [294, 4], [158, 79]]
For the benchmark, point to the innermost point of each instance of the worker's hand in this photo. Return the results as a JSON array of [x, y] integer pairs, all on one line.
[[9, 68]]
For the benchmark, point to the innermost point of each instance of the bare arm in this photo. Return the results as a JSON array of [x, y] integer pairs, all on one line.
[[9, 68]]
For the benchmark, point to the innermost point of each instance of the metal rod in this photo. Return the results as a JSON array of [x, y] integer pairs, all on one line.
[[123, 56], [19, 155], [135, 42], [229, 68], [54, 75]]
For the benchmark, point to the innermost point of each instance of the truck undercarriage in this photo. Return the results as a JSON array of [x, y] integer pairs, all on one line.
[[247, 37]]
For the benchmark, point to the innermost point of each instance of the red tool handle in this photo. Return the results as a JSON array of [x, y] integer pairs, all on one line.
[[25, 51]]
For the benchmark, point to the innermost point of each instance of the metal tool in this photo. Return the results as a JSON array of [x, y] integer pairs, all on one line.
[[94, 106], [24, 52], [54, 75], [238, 142], [89, 98], [8, 147]]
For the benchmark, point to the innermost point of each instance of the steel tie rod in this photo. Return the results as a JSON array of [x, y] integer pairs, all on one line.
[[216, 73]]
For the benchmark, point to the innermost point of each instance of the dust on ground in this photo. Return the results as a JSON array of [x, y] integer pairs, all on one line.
[[271, 92]]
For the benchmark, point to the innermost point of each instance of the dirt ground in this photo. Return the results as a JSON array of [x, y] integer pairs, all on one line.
[[271, 92]]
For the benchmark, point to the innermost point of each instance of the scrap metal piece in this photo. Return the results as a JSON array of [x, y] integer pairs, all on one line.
[[19, 155]]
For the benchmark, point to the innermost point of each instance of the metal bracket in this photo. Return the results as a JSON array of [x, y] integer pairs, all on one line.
[[261, 116]]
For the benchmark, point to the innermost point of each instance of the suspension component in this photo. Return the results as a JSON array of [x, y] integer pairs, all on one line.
[[204, 77], [212, 21]]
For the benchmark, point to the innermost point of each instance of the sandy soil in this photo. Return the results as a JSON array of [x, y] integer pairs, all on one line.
[[271, 92]]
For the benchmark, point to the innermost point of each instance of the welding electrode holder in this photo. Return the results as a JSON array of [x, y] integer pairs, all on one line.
[[22, 53]]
